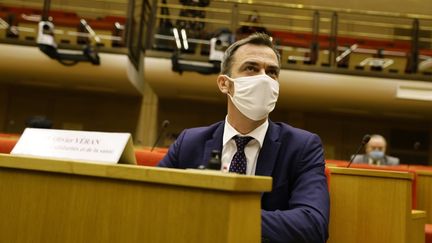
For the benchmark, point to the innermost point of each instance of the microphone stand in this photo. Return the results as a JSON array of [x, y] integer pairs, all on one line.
[[165, 124], [365, 140]]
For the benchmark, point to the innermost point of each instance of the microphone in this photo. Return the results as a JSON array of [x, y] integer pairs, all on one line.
[[164, 125], [364, 141]]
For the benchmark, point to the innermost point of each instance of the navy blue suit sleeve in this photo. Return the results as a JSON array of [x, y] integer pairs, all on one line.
[[171, 159], [307, 216]]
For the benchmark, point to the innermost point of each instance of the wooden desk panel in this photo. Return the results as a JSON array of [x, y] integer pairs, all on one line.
[[424, 192], [77, 202], [416, 230], [372, 206]]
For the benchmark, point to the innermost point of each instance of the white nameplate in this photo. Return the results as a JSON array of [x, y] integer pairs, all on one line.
[[102, 147]]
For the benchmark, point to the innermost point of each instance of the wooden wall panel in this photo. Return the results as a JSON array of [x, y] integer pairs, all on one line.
[[341, 133], [71, 109]]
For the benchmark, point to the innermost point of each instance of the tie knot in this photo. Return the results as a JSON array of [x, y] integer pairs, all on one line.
[[241, 142]]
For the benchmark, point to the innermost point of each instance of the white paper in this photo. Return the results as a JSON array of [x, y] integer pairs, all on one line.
[[72, 145]]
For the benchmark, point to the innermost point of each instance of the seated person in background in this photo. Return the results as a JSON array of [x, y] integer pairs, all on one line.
[[375, 153], [297, 208]]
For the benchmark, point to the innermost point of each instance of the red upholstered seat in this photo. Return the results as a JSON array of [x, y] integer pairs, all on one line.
[[7, 144], [9, 135], [421, 167], [147, 157], [161, 150], [339, 163], [328, 175]]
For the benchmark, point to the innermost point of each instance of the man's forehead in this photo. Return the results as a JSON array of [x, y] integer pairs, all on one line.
[[376, 142], [256, 53]]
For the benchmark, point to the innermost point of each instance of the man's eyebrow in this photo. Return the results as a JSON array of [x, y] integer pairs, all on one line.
[[274, 67], [249, 63], [255, 64]]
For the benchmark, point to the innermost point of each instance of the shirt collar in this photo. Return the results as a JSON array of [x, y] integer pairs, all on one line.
[[258, 133]]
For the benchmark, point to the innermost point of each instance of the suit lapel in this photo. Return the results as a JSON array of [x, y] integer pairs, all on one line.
[[215, 143], [268, 154]]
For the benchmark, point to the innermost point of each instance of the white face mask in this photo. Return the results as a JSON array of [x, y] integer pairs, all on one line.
[[255, 96]]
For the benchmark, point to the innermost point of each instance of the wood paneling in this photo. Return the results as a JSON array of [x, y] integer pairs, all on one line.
[[91, 111], [341, 133], [3, 106], [373, 206], [424, 192], [63, 201]]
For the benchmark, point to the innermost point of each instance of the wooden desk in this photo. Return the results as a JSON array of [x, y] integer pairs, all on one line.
[[373, 206], [59, 201], [424, 192]]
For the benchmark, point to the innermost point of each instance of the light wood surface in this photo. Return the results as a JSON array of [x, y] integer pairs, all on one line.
[[416, 230], [371, 173], [373, 206], [60, 201], [424, 193]]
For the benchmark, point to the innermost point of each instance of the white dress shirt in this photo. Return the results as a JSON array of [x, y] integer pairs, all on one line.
[[251, 150]]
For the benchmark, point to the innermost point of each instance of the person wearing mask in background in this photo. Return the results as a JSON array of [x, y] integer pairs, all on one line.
[[297, 208], [376, 153]]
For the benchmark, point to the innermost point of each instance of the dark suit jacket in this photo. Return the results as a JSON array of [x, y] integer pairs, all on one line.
[[297, 208]]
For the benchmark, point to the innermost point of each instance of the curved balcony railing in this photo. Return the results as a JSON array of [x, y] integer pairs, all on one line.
[[309, 37], [322, 38], [110, 25], [19, 20]]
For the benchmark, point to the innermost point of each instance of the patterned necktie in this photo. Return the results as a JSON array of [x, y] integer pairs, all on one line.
[[239, 163]]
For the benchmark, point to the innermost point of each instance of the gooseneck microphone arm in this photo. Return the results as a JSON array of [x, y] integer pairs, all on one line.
[[364, 141], [164, 125]]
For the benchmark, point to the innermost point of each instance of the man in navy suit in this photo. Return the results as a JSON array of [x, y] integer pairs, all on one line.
[[297, 208]]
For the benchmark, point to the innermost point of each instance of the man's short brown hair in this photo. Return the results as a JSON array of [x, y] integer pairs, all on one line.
[[259, 39]]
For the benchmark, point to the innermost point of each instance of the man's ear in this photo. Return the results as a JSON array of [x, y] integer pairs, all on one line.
[[223, 84]]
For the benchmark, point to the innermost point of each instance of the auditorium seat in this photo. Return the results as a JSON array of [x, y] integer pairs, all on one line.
[[9, 135], [161, 150], [147, 157], [328, 175], [420, 167], [66, 22], [7, 144], [334, 162], [304, 40]]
